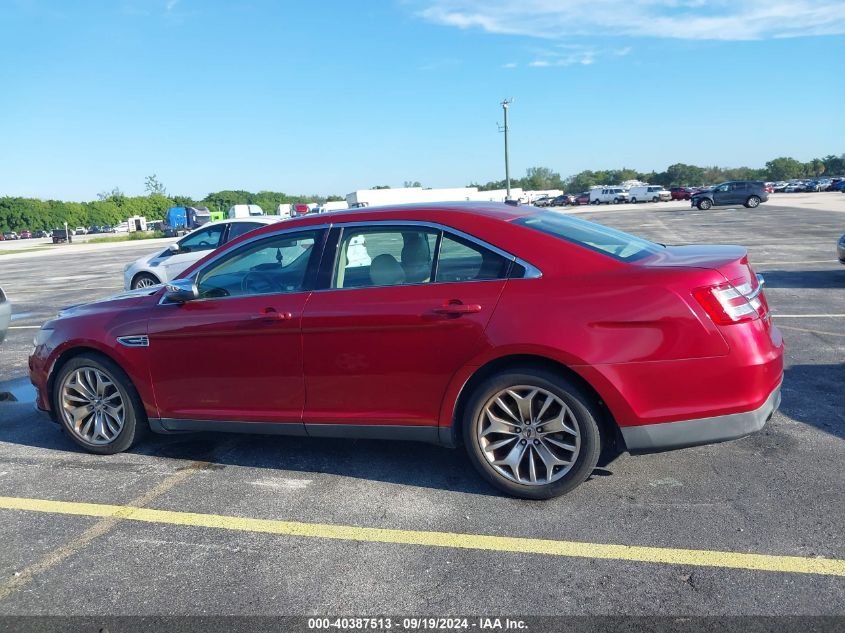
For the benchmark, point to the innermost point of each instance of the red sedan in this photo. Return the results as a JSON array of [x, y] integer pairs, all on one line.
[[534, 339]]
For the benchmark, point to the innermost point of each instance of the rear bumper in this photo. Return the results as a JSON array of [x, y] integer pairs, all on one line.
[[684, 433]]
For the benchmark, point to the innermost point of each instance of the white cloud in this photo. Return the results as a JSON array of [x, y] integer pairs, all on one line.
[[509, 65], [169, 5], [679, 19]]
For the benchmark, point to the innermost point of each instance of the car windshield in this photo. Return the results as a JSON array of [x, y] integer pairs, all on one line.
[[603, 239]]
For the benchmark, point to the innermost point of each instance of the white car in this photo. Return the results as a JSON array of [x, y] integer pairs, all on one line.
[[5, 314], [649, 193], [167, 264], [608, 195]]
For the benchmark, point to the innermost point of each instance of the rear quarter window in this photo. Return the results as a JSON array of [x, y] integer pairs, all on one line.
[[602, 239]]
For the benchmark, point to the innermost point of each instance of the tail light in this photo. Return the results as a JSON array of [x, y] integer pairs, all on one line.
[[736, 301]]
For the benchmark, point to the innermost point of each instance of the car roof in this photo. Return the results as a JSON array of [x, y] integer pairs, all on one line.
[[418, 211]]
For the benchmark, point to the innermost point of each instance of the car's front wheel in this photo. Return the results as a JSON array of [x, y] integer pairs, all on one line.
[[752, 202], [144, 280], [97, 404], [704, 204], [634, 200], [532, 433]]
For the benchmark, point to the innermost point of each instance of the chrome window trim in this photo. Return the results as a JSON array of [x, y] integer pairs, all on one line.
[[531, 271]]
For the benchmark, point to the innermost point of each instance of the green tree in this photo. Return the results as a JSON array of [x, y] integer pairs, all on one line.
[[153, 186], [784, 168], [540, 178], [412, 183]]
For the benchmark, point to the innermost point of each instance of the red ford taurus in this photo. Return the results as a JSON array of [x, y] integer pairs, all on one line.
[[534, 339]]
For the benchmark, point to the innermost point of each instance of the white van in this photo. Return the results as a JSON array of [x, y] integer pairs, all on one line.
[[615, 195], [649, 193], [244, 211]]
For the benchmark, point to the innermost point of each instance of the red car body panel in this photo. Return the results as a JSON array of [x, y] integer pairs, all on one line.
[[383, 356]]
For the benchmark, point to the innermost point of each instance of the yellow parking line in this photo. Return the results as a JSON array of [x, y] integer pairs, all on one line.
[[670, 556]]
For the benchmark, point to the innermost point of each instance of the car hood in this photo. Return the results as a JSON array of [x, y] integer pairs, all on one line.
[[127, 298]]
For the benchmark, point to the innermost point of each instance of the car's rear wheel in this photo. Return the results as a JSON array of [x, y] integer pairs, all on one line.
[[634, 200], [144, 280], [752, 202], [97, 404], [655, 199], [704, 204], [532, 433]]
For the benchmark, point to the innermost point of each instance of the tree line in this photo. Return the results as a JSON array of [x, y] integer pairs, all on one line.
[[677, 175], [113, 207]]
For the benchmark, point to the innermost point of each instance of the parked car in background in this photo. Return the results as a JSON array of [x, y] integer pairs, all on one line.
[[608, 195], [5, 315], [61, 235], [582, 198], [681, 193], [536, 370], [543, 201], [42, 234], [795, 187], [769, 187], [80, 230], [299, 209], [779, 186], [749, 193], [563, 200], [164, 265], [26, 234], [648, 193], [840, 250], [10, 235], [838, 185]]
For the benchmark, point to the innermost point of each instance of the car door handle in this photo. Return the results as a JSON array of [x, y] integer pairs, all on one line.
[[458, 309], [272, 315]]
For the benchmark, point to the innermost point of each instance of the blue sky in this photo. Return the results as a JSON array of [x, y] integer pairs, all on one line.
[[332, 96]]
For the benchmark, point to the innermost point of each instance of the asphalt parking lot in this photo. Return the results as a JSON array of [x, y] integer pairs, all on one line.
[[324, 543]]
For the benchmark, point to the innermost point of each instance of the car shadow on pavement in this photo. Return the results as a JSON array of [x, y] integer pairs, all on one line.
[[805, 278], [811, 394], [395, 462]]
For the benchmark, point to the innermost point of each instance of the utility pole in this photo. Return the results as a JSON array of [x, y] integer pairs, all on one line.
[[505, 104]]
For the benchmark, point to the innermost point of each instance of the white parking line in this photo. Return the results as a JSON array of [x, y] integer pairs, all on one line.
[[812, 261], [24, 327], [808, 316]]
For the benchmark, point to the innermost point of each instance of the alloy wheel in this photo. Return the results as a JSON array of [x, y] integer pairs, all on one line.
[[529, 435], [92, 406], [145, 282]]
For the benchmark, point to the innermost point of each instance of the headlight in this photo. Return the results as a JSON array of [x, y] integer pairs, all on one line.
[[42, 336]]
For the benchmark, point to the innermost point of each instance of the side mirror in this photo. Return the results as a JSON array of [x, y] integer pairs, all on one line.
[[173, 248], [181, 291]]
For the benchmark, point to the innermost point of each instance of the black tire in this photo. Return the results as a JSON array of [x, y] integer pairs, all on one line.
[[752, 202], [655, 199], [596, 201], [137, 281], [135, 423], [616, 201], [582, 406], [634, 200], [704, 204]]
